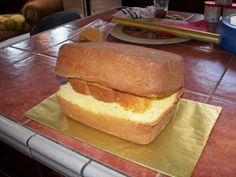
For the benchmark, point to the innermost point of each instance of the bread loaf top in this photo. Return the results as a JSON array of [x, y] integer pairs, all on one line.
[[127, 68]]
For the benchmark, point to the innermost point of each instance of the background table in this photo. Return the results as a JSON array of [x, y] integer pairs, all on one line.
[[27, 77]]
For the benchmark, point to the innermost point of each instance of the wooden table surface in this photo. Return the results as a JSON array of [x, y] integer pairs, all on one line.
[[27, 77]]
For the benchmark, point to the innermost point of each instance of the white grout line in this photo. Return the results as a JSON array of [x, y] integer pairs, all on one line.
[[219, 98], [14, 40], [25, 122], [196, 92]]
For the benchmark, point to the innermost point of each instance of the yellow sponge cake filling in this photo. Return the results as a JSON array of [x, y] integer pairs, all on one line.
[[158, 107]]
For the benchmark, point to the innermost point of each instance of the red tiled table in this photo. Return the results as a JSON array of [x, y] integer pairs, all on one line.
[[27, 77]]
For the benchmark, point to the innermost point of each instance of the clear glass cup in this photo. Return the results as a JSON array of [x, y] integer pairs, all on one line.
[[161, 8]]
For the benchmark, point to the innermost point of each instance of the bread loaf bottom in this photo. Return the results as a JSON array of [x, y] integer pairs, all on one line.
[[141, 128]]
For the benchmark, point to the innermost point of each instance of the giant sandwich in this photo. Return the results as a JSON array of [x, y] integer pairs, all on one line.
[[128, 91]]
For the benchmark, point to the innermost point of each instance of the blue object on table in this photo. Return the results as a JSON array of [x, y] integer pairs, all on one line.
[[227, 31]]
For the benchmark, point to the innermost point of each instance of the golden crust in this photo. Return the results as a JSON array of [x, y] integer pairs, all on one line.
[[117, 126], [143, 71]]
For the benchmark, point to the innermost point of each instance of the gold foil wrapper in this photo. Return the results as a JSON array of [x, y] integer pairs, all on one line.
[[174, 152], [177, 31]]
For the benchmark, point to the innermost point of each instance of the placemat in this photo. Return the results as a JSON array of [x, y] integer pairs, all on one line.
[[174, 152]]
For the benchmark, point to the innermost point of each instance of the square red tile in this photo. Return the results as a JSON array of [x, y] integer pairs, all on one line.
[[11, 55], [204, 46], [26, 83], [227, 86]]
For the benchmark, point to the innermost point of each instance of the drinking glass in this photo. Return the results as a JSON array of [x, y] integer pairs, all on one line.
[[161, 7]]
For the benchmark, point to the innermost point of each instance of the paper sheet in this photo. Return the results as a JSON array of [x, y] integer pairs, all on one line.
[[174, 152]]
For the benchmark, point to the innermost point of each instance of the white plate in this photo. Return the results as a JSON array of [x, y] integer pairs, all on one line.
[[118, 32]]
